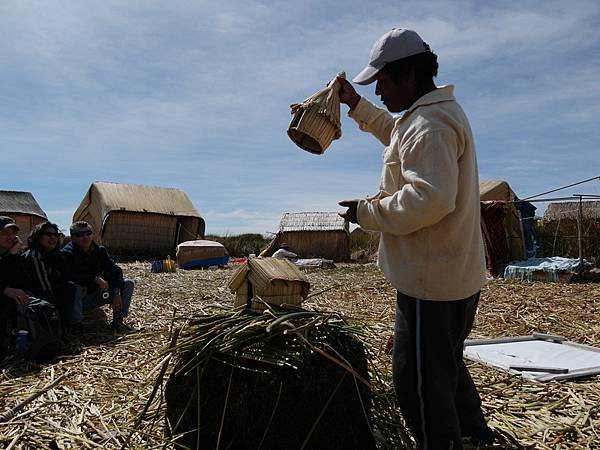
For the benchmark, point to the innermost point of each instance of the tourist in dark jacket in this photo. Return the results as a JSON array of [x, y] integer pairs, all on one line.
[[13, 278], [99, 280], [45, 266]]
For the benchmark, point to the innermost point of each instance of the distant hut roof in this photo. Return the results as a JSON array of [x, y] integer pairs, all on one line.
[[495, 190], [313, 221], [20, 203], [569, 210], [137, 198]]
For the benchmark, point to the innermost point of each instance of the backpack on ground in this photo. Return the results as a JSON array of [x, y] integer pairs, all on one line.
[[40, 318]]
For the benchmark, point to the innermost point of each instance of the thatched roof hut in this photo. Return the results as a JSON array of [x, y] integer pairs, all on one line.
[[590, 210], [22, 207], [315, 235], [140, 221], [558, 229], [501, 225]]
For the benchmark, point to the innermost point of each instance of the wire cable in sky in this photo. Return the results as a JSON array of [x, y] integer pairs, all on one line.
[[561, 188]]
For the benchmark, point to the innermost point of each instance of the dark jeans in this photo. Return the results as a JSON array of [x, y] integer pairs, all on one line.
[[435, 391], [85, 301], [8, 315], [63, 297]]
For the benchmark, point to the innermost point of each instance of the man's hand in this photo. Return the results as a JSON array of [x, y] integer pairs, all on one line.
[[17, 295], [351, 215], [117, 301], [347, 93], [102, 283]]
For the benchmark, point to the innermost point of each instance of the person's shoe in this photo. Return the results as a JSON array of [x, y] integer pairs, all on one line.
[[122, 328], [76, 329], [483, 435]]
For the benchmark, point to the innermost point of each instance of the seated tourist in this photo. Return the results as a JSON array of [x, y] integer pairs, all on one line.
[[45, 266], [285, 253], [99, 280], [13, 278]]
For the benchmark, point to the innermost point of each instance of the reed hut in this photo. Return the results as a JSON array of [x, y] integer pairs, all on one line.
[[23, 208], [558, 229], [274, 281], [314, 235], [135, 221], [501, 225]]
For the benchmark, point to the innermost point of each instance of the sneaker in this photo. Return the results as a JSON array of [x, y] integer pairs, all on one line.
[[122, 328], [76, 329], [483, 435]]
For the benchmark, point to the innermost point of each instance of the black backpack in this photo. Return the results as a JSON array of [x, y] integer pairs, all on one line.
[[40, 318]]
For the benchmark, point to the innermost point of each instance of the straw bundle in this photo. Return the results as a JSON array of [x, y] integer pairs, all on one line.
[[274, 380], [316, 121]]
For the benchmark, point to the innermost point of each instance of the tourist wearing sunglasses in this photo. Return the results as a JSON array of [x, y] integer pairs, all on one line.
[[99, 281]]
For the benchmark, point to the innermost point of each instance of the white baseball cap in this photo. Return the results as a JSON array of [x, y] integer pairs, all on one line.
[[393, 45]]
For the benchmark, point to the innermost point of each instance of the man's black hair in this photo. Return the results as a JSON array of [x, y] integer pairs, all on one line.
[[425, 65], [33, 240], [80, 224]]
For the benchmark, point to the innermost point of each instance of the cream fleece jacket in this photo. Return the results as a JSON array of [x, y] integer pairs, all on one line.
[[427, 209]]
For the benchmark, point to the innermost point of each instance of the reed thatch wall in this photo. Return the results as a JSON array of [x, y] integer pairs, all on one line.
[[25, 222], [314, 235], [557, 231], [145, 235], [333, 245]]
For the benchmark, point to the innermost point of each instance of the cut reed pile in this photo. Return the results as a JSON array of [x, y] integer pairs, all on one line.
[[108, 379]]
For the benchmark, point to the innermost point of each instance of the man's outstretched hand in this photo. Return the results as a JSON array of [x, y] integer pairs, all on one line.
[[351, 214]]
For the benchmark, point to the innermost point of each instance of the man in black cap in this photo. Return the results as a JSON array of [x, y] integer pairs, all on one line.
[[431, 250], [13, 277]]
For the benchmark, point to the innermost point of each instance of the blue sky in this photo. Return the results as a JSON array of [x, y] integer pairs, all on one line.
[[196, 95]]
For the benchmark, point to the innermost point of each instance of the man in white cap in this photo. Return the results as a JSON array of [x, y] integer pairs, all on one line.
[[431, 250]]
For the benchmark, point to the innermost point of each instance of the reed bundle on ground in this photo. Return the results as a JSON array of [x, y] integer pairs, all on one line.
[[275, 380]]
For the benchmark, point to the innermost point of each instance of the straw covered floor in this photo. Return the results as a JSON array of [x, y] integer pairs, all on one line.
[[101, 388]]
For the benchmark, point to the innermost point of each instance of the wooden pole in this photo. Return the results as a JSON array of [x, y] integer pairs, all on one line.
[[579, 234]]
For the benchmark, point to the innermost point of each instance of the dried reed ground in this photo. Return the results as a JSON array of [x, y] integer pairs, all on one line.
[[109, 380]]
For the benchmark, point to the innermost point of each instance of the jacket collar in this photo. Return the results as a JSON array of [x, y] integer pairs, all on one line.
[[441, 94], [78, 249]]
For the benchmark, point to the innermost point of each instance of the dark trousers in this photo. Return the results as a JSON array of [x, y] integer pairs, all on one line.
[[8, 315], [63, 297], [435, 391]]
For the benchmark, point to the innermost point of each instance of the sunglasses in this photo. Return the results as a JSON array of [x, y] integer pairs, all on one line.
[[79, 234]]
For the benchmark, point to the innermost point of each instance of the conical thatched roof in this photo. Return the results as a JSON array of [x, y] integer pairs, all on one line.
[[17, 202], [569, 210], [313, 221], [495, 190], [137, 198]]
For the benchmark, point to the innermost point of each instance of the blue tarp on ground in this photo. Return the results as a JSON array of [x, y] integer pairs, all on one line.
[[208, 262], [524, 270]]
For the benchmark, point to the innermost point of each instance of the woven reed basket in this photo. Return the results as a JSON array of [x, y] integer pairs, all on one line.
[[316, 121]]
